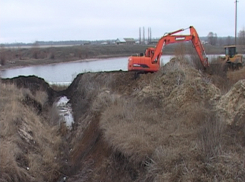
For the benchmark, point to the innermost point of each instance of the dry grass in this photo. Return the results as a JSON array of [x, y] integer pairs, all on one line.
[[210, 136], [188, 149], [194, 59], [221, 77], [166, 129], [160, 127], [236, 75], [176, 136], [29, 145], [126, 133], [3, 56], [180, 51]]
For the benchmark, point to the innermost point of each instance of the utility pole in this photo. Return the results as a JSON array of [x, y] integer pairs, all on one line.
[[235, 21]]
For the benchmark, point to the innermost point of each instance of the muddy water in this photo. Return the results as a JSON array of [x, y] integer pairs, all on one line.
[[64, 73]]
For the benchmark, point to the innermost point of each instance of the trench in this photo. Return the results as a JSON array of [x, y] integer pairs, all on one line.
[[82, 149]]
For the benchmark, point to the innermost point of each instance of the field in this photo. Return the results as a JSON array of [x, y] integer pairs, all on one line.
[[178, 124], [36, 55]]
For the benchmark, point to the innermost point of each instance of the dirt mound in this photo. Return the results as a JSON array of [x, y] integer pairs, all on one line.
[[34, 84], [231, 105]]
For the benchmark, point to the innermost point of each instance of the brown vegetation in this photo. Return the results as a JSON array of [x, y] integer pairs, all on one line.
[[179, 124], [29, 146], [237, 75], [3, 56], [169, 127], [36, 54]]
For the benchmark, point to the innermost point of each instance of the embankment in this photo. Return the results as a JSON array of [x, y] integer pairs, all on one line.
[[178, 124]]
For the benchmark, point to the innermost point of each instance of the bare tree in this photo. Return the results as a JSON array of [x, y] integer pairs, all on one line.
[[220, 41], [241, 39], [2, 55], [35, 50], [228, 40], [241, 36], [212, 38]]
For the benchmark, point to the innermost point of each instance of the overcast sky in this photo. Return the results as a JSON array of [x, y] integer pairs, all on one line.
[[54, 20]]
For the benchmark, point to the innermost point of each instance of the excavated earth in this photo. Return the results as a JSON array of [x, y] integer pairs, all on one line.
[[178, 124]]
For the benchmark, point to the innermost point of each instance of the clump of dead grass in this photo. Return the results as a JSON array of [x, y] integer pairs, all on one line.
[[231, 105], [180, 51], [103, 100], [135, 130], [236, 75]]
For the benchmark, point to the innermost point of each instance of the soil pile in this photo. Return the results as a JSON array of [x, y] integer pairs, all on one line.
[[231, 105], [174, 125]]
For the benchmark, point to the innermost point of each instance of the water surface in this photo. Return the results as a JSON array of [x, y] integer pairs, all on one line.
[[66, 72]]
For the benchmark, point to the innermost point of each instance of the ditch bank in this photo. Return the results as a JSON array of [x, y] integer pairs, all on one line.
[[171, 125]]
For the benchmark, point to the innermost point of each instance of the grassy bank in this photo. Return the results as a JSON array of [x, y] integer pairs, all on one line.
[[30, 144]]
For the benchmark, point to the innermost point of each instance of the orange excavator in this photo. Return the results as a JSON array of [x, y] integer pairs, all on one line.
[[150, 61]]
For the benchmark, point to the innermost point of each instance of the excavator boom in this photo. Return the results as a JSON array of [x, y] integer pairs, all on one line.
[[150, 61], [199, 47]]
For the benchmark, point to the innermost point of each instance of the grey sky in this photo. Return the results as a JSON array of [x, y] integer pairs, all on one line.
[[54, 20]]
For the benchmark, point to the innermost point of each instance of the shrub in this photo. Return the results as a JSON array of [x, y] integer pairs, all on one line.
[[35, 50], [211, 136], [3, 56]]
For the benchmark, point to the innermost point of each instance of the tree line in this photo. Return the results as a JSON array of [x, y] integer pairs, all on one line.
[[213, 39]]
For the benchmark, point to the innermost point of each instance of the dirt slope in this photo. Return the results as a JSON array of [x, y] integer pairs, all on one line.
[[179, 124], [30, 143]]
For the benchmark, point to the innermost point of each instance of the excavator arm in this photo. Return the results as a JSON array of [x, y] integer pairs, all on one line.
[[151, 60], [199, 47]]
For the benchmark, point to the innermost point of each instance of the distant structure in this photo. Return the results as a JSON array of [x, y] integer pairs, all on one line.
[[142, 40], [149, 35], [120, 41], [139, 35], [143, 35]]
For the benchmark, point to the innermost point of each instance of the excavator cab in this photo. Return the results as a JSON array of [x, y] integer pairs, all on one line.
[[230, 51], [232, 58]]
